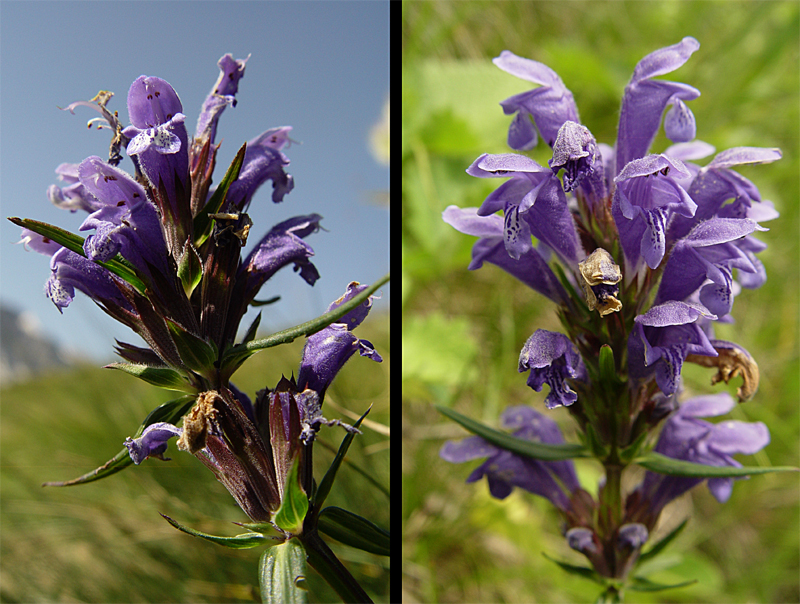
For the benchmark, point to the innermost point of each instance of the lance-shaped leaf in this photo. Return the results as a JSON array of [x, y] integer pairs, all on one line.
[[190, 269], [74, 243], [655, 462], [282, 574], [528, 448], [235, 356], [580, 571], [163, 377], [197, 354], [354, 530], [168, 412], [327, 481], [643, 584], [203, 222], [244, 541], [294, 506]]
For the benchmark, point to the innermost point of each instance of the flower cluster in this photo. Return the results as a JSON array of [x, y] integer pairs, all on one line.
[[643, 253], [163, 254]]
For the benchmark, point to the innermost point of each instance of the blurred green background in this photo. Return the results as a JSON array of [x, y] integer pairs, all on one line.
[[105, 541], [462, 331]]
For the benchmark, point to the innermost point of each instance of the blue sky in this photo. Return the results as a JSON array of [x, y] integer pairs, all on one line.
[[320, 67]]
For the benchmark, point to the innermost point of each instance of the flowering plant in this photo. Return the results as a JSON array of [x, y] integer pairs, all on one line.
[[164, 257], [638, 250]]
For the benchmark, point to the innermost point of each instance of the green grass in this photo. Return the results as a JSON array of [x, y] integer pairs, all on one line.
[[463, 330], [105, 541]]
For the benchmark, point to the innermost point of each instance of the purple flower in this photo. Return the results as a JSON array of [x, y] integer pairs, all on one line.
[[531, 268], [222, 94], [263, 161], [646, 197], [645, 99], [577, 152], [555, 480], [74, 196], [326, 351], [552, 359], [152, 442], [661, 340], [160, 143], [533, 203], [688, 438], [125, 221], [549, 106], [708, 252]]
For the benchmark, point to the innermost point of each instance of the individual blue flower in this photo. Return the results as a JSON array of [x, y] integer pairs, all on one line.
[[647, 196], [531, 268], [552, 359], [152, 443], [555, 480], [222, 95], [719, 191], [577, 152], [547, 107], [645, 99], [688, 438], [708, 252], [662, 338], [263, 161], [74, 196], [326, 351], [159, 141], [125, 221], [533, 203]]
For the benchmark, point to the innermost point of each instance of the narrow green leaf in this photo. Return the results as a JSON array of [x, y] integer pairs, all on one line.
[[655, 462], [203, 222], [354, 530], [294, 506], [245, 541], [252, 330], [627, 454], [283, 574], [527, 448], [643, 584], [322, 559], [75, 243], [580, 571], [235, 356], [197, 354], [658, 547], [168, 412], [327, 481], [163, 377], [119, 462]]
